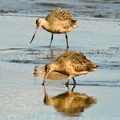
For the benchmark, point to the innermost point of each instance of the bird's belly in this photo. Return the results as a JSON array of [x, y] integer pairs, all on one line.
[[57, 30]]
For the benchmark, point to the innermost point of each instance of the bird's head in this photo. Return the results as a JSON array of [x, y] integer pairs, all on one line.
[[39, 23], [48, 69]]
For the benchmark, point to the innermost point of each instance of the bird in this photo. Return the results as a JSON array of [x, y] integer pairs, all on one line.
[[57, 22], [69, 103], [70, 63]]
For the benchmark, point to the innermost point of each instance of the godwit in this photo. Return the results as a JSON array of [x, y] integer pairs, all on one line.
[[57, 22], [69, 103], [70, 63]]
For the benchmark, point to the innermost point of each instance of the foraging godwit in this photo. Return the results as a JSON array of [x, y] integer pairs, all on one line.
[[69, 103], [70, 63], [57, 22]]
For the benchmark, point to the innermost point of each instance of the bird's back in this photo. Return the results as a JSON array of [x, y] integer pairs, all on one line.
[[59, 14], [77, 61]]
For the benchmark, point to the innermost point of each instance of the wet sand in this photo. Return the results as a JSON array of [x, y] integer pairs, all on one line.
[[21, 93]]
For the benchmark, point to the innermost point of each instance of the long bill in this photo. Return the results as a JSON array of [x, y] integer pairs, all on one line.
[[34, 34], [48, 71], [45, 77]]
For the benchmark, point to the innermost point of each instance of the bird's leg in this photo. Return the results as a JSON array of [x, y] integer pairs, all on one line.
[[66, 40], [74, 85], [74, 81], [67, 83], [51, 40]]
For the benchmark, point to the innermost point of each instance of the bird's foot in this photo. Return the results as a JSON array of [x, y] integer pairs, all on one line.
[[67, 84]]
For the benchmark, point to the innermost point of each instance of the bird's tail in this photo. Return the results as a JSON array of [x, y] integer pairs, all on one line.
[[74, 23], [74, 20], [94, 67]]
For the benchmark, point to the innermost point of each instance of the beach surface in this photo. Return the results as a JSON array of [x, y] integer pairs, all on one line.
[[22, 97]]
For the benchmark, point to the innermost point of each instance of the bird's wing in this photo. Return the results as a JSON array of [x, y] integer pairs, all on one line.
[[77, 61], [81, 63], [59, 14], [60, 17]]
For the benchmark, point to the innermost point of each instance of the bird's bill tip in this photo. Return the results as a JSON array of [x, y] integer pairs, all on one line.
[[44, 80], [32, 39], [34, 33], [46, 75]]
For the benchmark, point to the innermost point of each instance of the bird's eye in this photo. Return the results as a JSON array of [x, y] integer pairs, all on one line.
[[36, 21], [37, 24]]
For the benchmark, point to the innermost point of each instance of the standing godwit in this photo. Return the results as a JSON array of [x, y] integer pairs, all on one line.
[[70, 63], [57, 22]]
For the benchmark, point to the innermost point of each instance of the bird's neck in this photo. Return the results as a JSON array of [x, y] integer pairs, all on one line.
[[57, 66], [60, 68], [45, 25]]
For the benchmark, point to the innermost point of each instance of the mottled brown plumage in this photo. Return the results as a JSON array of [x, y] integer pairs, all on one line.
[[60, 21], [72, 64], [57, 22]]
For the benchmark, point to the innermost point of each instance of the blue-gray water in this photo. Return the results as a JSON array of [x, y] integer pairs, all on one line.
[[21, 93], [79, 8]]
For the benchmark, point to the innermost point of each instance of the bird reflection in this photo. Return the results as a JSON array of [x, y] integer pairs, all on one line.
[[54, 52], [69, 103], [40, 70]]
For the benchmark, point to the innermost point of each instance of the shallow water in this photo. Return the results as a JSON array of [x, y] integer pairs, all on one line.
[[79, 8], [21, 93]]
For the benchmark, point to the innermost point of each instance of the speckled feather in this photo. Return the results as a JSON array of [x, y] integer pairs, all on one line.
[[76, 61], [61, 18]]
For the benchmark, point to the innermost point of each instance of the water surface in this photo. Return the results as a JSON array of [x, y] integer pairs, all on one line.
[[21, 93]]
